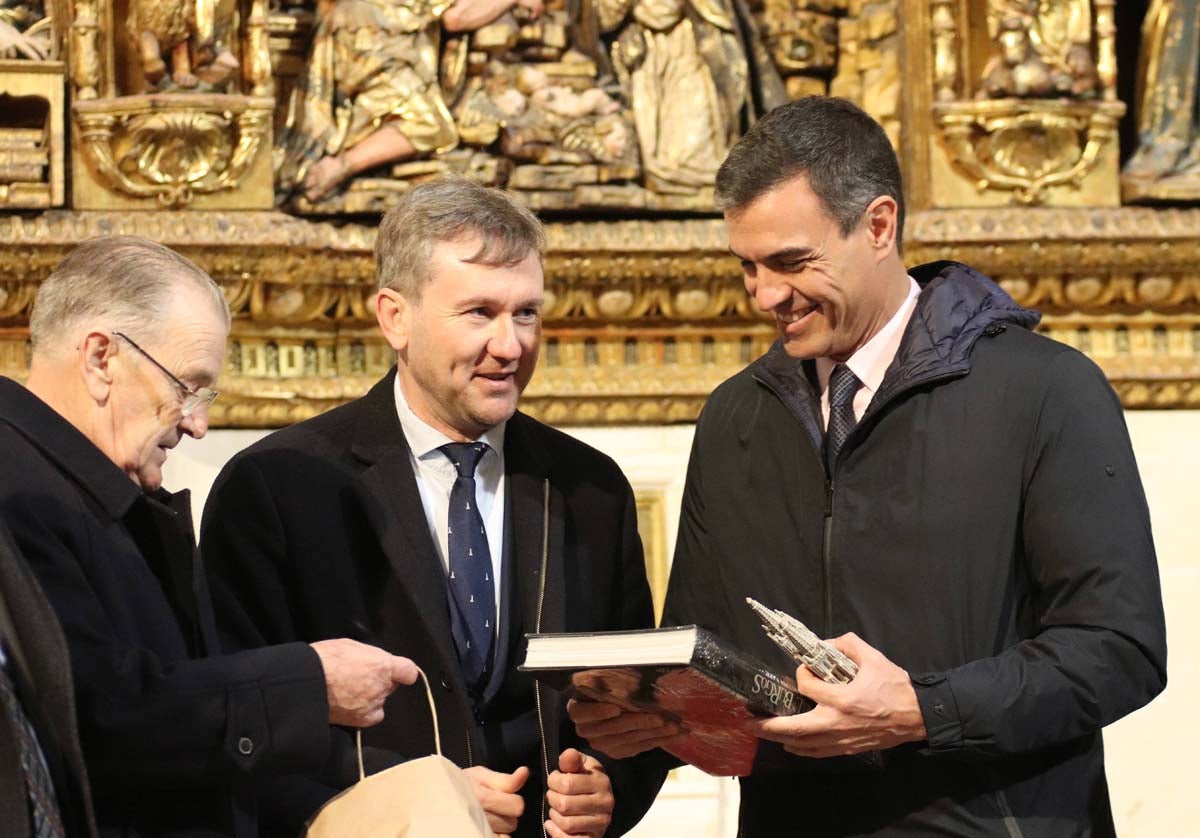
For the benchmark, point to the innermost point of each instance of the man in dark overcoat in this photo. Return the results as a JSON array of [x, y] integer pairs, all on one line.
[[947, 495], [434, 519], [128, 341]]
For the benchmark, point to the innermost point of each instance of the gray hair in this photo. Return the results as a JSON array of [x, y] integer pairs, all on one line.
[[451, 209], [844, 154], [124, 281]]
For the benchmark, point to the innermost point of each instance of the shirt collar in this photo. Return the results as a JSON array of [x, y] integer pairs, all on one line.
[[871, 361], [424, 440]]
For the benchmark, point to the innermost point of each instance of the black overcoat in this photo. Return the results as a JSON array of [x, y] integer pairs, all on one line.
[[172, 735], [318, 531], [35, 642], [984, 527]]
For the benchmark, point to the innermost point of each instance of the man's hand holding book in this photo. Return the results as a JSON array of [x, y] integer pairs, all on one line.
[[621, 733]]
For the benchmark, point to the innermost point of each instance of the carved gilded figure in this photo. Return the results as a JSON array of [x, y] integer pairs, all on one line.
[[371, 93], [1168, 113], [25, 30], [542, 120], [185, 31], [1042, 48], [696, 75]]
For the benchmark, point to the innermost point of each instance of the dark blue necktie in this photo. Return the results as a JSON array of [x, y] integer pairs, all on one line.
[[843, 384], [43, 805], [472, 590]]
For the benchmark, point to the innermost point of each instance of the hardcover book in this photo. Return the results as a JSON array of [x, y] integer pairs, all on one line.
[[684, 674]]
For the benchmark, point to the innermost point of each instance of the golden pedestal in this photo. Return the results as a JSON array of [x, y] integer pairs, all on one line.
[[172, 151]]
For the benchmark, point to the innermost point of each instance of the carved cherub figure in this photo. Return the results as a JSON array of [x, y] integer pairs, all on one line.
[[184, 31], [540, 119], [561, 99], [1042, 49]]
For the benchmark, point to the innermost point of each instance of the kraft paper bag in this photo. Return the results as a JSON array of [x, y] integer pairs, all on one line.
[[428, 797]]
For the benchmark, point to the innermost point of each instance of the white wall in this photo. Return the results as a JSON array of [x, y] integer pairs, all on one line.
[[1150, 753]]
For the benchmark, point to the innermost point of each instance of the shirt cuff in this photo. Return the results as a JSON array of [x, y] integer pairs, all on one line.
[[943, 726]]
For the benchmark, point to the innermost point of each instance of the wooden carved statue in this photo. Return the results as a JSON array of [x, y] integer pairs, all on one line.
[[371, 93], [1042, 48], [542, 120], [1168, 116], [183, 31], [696, 74]]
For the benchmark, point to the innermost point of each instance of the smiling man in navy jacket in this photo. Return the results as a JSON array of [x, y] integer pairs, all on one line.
[[912, 471]]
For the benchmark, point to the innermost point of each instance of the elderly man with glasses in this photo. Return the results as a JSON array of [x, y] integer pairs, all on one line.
[[128, 340]]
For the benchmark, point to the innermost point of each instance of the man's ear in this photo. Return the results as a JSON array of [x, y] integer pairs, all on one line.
[[96, 350], [394, 314], [882, 216]]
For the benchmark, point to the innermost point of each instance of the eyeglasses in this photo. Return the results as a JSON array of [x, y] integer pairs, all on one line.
[[190, 398]]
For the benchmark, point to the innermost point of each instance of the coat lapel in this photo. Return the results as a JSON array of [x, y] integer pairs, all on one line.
[[528, 476], [388, 491]]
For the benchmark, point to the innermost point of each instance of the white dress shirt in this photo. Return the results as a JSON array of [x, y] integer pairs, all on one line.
[[872, 359], [435, 478]]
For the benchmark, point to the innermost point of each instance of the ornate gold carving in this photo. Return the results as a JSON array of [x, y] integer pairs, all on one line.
[[85, 51], [1041, 49], [799, 40], [173, 147], [1106, 47], [257, 61], [642, 318], [1027, 147], [26, 32], [32, 134], [868, 68], [180, 144], [945, 50], [184, 33], [634, 109], [1039, 125]]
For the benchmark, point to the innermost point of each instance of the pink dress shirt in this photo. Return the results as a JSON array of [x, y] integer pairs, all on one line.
[[872, 359]]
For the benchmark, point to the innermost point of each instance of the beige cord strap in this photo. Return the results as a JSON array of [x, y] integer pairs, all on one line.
[[437, 736]]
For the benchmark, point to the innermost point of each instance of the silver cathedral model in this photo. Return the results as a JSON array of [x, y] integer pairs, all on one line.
[[795, 638]]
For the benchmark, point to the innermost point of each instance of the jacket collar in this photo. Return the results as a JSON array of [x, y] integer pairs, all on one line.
[[73, 453], [956, 307]]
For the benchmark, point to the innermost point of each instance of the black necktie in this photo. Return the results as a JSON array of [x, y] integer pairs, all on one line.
[[43, 805], [843, 384], [472, 590]]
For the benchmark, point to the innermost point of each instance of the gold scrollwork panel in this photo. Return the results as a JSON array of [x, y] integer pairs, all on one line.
[[171, 151], [1013, 103], [642, 319]]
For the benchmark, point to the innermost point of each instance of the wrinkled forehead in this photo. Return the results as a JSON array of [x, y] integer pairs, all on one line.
[[191, 339]]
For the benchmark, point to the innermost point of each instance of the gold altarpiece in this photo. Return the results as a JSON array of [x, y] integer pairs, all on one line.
[[186, 121]]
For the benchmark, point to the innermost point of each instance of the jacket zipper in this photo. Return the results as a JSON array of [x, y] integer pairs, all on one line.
[[827, 524], [537, 689], [827, 555]]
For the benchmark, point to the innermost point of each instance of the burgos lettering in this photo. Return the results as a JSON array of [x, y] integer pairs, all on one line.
[[774, 691]]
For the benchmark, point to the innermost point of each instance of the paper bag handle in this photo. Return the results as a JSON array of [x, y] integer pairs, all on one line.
[[437, 736]]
